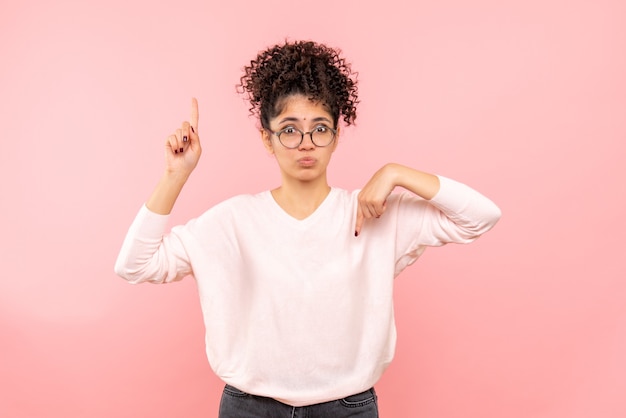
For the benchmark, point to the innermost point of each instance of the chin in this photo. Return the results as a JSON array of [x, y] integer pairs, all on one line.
[[308, 177]]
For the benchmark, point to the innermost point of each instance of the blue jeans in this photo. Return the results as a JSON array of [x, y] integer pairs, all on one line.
[[238, 404]]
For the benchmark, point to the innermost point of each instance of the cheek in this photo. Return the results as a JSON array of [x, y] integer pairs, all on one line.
[[282, 157], [327, 157]]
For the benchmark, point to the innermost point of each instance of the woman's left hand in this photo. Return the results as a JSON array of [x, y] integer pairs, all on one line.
[[372, 198]]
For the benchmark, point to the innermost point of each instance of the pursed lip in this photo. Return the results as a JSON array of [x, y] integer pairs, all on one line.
[[307, 161]]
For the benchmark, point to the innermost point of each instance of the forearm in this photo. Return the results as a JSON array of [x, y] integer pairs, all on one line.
[[166, 192], [422, 184]]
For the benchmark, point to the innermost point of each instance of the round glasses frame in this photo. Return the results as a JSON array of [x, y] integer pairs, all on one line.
[[310, 134]]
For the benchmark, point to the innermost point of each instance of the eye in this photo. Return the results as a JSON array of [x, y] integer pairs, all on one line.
[[289, 130], [321, 128]]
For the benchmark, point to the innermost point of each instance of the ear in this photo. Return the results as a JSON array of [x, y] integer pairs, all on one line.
[[267, 141]]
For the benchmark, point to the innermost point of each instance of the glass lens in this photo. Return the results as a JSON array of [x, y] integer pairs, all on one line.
[[322, 136], [290, 137]]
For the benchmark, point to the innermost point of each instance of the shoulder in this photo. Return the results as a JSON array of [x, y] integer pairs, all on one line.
[[243, 200], [234, 207], [344, 197]]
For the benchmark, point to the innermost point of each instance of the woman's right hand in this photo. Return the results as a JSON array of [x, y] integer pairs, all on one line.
[[182, 149], [182, 152]]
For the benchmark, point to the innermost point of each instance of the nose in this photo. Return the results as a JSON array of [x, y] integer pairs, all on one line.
[[307, 141]]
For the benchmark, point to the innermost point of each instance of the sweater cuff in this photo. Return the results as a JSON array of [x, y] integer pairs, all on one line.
[[456, 198], [149, 224]]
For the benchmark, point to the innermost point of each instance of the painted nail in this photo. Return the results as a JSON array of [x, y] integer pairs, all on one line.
[[185, 138], [192, 130], [175, 151], [356, 234], [181, 150]]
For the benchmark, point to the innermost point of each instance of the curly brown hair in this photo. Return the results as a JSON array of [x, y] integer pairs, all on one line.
[[301, 67]]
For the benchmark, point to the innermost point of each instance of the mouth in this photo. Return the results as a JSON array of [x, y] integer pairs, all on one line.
[[306, 161]]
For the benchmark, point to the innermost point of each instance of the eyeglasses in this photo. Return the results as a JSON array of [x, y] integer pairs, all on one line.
[[290, 137]]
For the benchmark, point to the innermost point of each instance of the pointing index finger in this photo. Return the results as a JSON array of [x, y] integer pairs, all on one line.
[[194, 113], [359, 221]]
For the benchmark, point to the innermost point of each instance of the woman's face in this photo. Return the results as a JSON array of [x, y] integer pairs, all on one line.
[[307, 162]]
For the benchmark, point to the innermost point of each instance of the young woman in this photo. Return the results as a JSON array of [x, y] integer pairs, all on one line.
[[296, 283]]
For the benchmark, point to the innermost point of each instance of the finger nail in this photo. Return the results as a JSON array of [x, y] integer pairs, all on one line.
[[185, 138], [192, 130], [175, 151], [180, 150], [356, 234]]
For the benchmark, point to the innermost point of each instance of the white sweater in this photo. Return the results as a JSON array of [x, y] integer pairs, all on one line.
[[300, 310]]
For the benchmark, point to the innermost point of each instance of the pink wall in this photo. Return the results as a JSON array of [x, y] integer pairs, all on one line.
[[524, 100]]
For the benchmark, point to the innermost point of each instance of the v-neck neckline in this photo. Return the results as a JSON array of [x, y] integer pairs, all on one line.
[[282, 213]]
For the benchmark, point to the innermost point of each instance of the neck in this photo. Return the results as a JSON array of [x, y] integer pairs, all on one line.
[[301, 199]]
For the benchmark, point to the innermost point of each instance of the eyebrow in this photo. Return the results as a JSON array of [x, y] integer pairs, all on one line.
[[294, 119]]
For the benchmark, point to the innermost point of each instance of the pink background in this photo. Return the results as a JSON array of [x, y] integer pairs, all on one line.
[[525, 101]]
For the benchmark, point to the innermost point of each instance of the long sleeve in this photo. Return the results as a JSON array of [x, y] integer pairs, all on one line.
[[148, 254], [465, 214], [457, 214]]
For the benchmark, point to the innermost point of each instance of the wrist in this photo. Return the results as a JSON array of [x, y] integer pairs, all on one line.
[[423, 184], [175, 178], [393, 172]]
